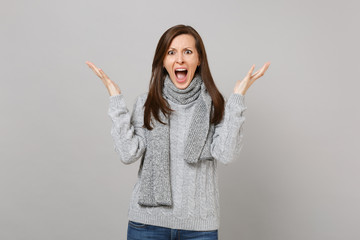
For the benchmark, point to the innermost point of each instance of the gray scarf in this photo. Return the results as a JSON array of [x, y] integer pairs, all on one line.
[[155, 187]]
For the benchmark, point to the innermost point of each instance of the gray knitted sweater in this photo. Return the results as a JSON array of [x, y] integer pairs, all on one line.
[[194, 186]]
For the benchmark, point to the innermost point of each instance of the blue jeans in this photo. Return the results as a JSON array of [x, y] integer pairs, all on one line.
[[140, 231]]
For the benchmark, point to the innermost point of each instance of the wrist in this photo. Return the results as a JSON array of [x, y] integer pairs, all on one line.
[[242, 92], [113, 91]]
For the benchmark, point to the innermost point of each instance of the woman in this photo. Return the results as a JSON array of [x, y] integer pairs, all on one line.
[[179, 129]]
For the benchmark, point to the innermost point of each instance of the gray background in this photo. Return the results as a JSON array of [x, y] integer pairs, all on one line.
[[298, 174]]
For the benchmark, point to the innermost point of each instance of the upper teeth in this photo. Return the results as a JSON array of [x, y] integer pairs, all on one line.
[[181, 69]]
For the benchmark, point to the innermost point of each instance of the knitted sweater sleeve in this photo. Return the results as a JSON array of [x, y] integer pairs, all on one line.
[[127, 131], [227, 139]]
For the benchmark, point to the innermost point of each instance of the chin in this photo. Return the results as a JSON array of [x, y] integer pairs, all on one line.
[[182, 86]]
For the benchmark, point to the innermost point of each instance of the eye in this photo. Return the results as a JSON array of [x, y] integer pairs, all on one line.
[[171, 52], [188, 51]]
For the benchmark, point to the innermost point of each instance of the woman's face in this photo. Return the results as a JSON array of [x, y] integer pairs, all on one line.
[[181, 60]]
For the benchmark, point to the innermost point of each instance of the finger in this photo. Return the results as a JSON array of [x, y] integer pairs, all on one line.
[[253, 77], [104, 74], [90, 64], [251, 69], [96, 70], [104, 78], [263, 69], [256, 72], [256, 76], [259, 73], [97, 73], [266, 66]]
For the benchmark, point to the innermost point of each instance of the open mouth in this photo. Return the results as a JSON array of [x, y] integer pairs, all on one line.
[[181, 73]]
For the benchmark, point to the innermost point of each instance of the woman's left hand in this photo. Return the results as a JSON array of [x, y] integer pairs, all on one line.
[[242, 86]]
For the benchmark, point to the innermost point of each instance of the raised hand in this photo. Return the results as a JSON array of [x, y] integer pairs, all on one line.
[[112, 88], [242, 86]]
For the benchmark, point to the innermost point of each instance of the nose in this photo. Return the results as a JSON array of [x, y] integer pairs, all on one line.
[[179, 58]]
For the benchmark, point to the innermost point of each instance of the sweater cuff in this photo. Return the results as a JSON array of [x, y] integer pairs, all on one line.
[[237, 99], [117, 100]]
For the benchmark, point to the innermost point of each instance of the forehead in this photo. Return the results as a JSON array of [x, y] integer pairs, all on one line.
[[183, 40]]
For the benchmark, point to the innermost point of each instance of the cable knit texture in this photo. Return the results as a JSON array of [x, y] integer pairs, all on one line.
[[155, 186], [194, 187]]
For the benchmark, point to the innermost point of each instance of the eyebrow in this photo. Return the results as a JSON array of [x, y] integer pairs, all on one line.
[[183, 48]]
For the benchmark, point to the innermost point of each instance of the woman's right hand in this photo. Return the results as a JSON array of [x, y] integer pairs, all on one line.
[[112, 88]]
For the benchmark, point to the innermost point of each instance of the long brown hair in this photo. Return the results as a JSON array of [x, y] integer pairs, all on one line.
[[155, 100]]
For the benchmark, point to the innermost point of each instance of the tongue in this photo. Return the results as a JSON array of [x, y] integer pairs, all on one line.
[[181, 74]]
